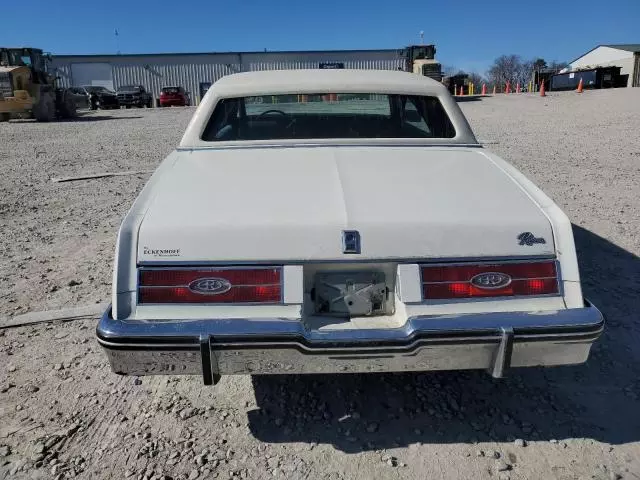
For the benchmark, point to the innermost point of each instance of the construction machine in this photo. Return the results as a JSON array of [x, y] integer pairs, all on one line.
[[28, 87], [420, 59]]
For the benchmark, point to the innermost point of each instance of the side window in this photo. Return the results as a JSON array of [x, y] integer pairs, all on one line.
[[411, 116], [223, 124]]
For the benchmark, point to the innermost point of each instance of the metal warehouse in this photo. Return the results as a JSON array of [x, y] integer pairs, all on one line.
[[625, 56], [197, 71]]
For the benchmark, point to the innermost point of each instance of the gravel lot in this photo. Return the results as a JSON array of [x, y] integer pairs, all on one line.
[[64, 414]]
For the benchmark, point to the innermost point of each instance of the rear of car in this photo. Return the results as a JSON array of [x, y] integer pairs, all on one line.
[[133, 96], [322, 232], [173, 96]]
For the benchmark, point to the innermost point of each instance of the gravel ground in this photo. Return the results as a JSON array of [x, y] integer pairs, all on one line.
[[64, 414]]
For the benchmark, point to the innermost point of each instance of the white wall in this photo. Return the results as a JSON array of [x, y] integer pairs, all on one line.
[[605, 57]]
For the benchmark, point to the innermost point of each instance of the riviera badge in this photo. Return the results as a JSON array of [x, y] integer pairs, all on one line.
[[529, 239]]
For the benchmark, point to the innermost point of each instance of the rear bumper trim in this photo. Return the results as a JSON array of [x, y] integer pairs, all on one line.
[[493, 341], [502, 360]]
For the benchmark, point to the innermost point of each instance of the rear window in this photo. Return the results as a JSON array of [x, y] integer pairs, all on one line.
[[326, 116]]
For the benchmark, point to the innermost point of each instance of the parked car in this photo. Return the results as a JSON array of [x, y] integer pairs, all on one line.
[[134, 96], [101, 97], [80, 97], [331, 221], [174, 96]]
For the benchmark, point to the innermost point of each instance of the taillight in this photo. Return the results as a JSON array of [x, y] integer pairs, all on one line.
[[211, 285], [489, 280]]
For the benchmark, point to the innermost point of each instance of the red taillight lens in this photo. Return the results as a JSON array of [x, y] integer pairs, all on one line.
[[211, 285], [173, 278], [489, 280]]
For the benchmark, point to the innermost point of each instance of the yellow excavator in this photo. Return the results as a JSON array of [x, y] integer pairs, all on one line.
[[27, 87]]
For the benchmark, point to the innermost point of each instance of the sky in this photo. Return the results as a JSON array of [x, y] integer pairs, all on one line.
[[468, 35]]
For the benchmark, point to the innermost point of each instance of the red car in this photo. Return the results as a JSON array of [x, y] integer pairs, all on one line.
[[175, 96]]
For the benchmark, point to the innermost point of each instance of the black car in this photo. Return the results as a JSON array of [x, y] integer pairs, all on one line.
[[134, 96], [101, 97], [80, 97]]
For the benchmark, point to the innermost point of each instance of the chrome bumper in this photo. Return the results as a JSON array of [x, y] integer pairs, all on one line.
[[492, 341]]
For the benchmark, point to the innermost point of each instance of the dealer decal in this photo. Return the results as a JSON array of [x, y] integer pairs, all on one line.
[[161, 252]]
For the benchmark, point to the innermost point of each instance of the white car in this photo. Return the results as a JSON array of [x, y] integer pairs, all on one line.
[[325, 221]]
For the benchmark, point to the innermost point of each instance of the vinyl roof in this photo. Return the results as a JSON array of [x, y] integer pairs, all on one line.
[[317, 80]]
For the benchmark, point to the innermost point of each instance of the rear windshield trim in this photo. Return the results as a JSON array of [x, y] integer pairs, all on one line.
[[326, 116]]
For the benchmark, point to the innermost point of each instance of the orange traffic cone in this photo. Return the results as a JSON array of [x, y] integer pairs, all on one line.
[[518, 87], [462, 90], [580, 87], [508, 89], [494, 89], [542, 92], [484, 89]]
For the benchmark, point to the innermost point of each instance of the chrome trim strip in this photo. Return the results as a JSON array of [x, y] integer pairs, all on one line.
[[357, 349], [232, 286], [567, 322], [469, 281], [171, 266], [222, 304], [480, 261], [313, 144], [479, 299], [452, 261]]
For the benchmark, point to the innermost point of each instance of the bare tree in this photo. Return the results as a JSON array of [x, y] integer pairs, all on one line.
[[476, 78], [504, 69], [525, 72], [512, 69]]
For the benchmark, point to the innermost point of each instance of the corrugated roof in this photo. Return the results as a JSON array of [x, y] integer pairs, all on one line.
[[630, 47], [178, 54]]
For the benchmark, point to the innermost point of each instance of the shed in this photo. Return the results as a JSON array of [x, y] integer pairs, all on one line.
[[626, 56]]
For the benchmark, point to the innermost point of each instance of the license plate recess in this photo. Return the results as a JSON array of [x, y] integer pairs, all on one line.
[[352, 294]]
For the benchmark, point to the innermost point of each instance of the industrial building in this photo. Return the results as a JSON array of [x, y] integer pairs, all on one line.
[[625, 56], [197, 71]]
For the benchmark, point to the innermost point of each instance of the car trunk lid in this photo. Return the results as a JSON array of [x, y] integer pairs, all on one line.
[[293, 204]]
